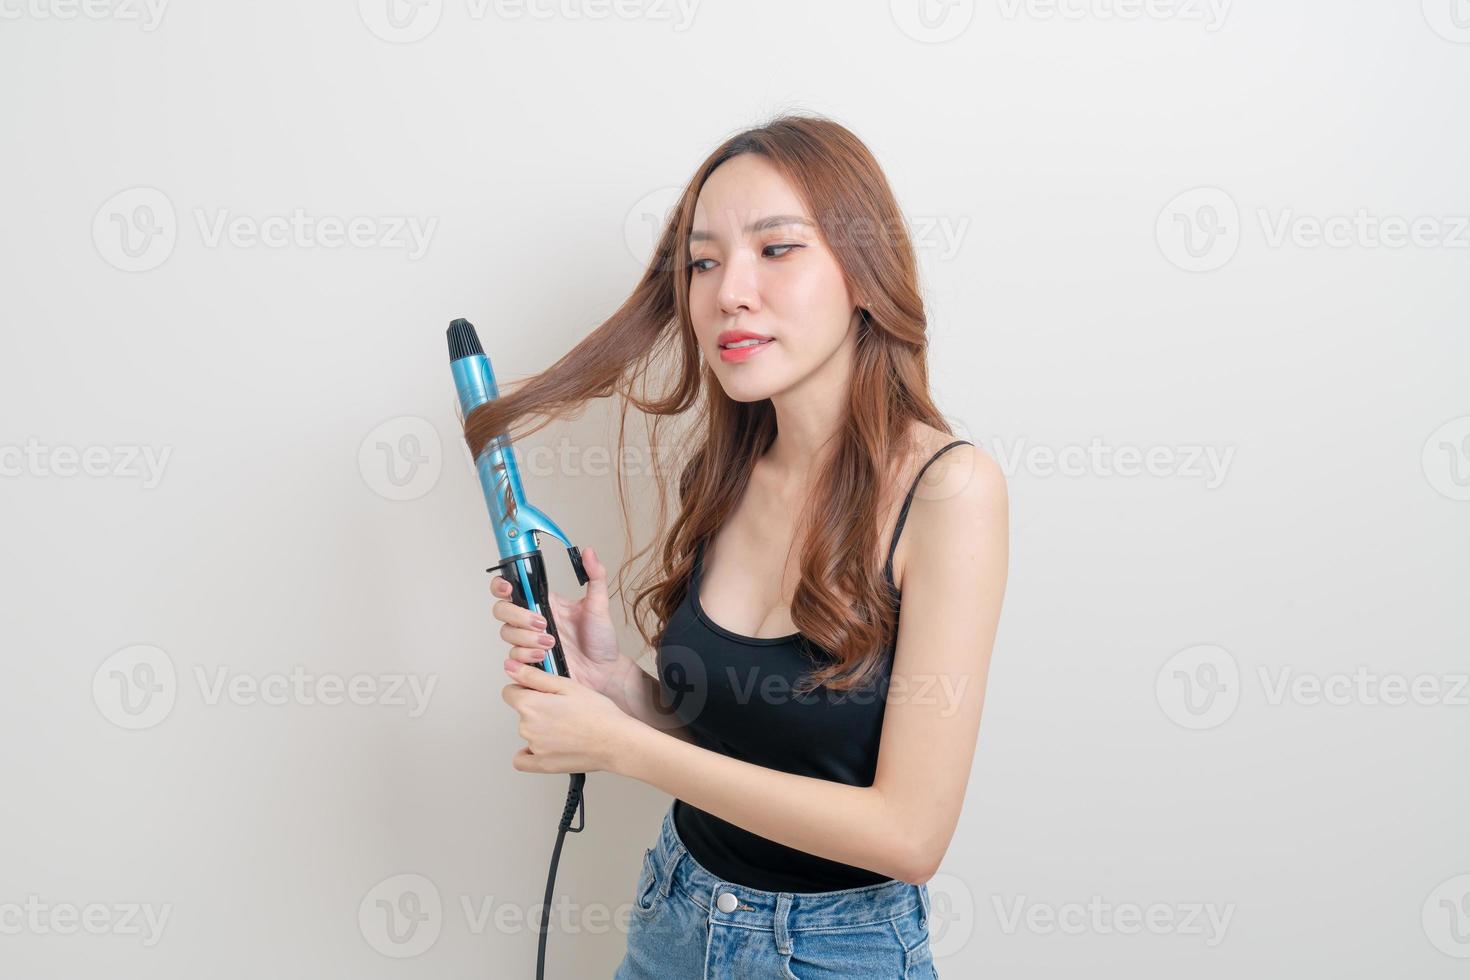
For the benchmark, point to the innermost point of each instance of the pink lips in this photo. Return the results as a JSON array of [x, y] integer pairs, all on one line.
[[743, 353]]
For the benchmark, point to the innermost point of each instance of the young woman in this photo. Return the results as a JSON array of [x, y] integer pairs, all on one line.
[[817, 744]]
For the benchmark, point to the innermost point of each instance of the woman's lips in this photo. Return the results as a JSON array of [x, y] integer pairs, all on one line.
[[738, 354]]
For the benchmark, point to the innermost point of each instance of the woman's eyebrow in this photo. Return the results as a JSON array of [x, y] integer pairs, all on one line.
[[774, 221]]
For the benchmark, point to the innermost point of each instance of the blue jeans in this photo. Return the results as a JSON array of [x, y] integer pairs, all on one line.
[[679, 928]]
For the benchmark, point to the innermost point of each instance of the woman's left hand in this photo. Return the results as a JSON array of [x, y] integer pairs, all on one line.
[[568, 727]]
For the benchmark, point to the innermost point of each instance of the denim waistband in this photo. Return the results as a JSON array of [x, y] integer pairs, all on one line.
[[782, 912]]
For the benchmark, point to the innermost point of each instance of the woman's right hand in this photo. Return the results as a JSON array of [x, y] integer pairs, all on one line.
[[585, 627]]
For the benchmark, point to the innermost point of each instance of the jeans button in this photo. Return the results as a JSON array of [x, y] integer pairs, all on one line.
[[727, 902]]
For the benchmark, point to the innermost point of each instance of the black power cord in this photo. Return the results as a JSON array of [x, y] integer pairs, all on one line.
[[534, 568], [575, 804]]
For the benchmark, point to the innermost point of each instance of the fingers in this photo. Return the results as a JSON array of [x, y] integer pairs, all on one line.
[[524, 630], [506, 610], [510, 613], [527, 655], [540, 680], [596, 575], [534, 640]]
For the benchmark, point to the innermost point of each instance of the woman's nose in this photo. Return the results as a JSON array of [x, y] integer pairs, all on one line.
[[739, 287]]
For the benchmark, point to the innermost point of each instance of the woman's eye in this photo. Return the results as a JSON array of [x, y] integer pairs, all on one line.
[[698, 266]]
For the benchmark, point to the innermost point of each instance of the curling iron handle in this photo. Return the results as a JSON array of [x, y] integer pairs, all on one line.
[[529, 589]]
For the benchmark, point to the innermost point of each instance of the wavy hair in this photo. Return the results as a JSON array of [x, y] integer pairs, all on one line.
[[843, 607]]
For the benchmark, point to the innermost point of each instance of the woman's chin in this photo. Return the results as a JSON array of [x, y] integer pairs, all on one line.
[[747, 394]]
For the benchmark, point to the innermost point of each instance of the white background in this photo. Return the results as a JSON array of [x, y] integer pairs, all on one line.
[[311, 508]]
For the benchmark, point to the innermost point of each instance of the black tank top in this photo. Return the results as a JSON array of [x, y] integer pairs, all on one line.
[[736, 696]]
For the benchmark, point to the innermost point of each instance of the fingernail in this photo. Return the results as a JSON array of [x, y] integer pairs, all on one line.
[[546, 641], [539, 622]]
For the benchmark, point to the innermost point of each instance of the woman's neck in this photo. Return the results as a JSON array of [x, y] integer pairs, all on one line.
[[810, 415]]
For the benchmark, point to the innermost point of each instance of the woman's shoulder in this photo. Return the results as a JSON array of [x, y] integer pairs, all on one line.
[[962, 491], [948, 471]]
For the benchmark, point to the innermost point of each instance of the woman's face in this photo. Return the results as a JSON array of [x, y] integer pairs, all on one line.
[[760, 265]]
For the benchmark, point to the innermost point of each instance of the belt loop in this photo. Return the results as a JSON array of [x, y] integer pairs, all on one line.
[[666, 876], [671, 850], [924, 901], [783, 937]]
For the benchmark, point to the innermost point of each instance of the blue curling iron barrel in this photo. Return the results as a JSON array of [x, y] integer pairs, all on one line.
[[517, 527]]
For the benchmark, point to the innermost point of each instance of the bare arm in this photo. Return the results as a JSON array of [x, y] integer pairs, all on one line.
[[902, 824], [636, 692]]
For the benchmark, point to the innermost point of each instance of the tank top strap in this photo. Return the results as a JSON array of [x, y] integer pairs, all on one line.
[[904, 513]]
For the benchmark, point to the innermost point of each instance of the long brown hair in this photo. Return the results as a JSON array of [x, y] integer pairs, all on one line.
[[842, 603]]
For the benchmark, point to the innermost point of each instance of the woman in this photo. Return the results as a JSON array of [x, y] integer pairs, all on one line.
[[817, 746]]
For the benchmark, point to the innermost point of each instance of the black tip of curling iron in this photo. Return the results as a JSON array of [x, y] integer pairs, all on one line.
[[463, 341]]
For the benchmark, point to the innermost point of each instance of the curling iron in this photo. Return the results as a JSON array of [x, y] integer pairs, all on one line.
[[517, 527]]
